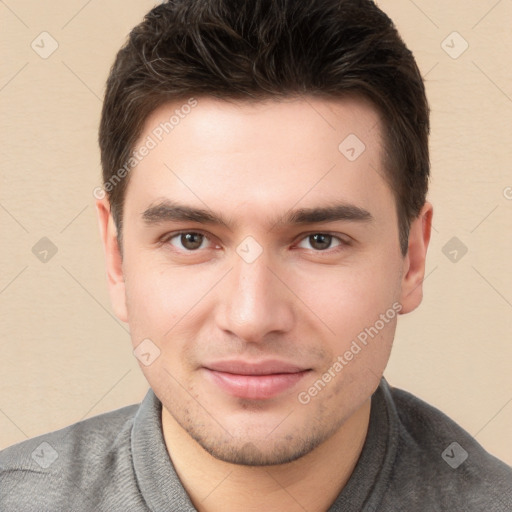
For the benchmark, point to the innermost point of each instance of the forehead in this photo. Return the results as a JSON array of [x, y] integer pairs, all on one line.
[[272, 153]]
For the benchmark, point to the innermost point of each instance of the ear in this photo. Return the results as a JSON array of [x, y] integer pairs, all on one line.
[[414, 261], [113, 260]]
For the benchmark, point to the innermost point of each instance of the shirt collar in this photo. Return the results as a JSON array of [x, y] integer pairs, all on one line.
[[162, 489]]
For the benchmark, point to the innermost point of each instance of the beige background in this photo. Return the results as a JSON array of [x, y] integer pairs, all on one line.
[[65, 357]]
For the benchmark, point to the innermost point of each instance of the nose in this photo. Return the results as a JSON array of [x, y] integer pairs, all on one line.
[[254, 302]]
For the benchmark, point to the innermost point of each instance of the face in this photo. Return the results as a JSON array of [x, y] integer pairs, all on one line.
[[261, 264]]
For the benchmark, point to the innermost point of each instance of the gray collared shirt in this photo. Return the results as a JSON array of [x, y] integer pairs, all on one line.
[[414, 459]]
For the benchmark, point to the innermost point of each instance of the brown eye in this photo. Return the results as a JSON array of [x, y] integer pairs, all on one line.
[[189, 241], [320, 241]]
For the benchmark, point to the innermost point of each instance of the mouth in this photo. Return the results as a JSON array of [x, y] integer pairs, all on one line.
[[254, 381]]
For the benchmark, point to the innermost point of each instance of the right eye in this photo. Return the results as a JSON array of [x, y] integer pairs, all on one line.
[[188, 241]]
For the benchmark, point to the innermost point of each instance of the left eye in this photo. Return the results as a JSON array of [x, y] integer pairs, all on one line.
[[189, 241], [320, 241]]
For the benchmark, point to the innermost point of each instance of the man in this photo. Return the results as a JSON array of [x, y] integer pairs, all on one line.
[[264, 220]]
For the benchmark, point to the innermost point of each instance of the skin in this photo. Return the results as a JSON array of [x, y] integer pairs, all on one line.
[[300, 301]]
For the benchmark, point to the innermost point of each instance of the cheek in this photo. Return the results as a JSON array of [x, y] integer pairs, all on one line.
[[163, 301], [154, 301], [348, 299]]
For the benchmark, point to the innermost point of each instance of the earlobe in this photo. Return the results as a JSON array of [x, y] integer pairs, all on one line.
[[414, 261], [113, 260]]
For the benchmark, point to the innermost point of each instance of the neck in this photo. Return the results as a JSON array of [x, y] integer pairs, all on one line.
[[310, 483]]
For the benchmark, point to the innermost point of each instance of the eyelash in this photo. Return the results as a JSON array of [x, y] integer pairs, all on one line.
[[342, 242]]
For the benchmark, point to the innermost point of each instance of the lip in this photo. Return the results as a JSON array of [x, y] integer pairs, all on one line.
[[255, 381]]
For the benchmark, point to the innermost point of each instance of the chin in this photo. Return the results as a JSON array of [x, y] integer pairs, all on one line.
[[260, 452]]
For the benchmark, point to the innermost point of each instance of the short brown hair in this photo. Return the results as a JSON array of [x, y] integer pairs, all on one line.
[[260, 49]]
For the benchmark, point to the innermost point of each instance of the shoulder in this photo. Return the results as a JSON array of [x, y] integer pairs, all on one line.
[[439, 462], [67, 465]]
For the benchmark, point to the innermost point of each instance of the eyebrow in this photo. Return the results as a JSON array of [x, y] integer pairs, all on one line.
[[346, 212], [168, 211]]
